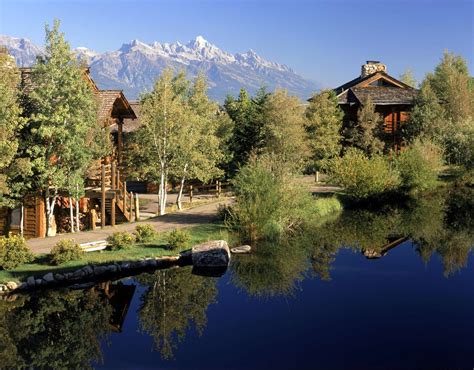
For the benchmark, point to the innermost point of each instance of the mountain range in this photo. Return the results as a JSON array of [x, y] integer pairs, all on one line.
[[135, 65]]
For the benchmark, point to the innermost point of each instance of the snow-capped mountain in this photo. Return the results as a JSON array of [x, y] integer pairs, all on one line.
[[134, 67]]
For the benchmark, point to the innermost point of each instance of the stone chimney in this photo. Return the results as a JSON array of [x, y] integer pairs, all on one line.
[[3, 50], [371, 67]]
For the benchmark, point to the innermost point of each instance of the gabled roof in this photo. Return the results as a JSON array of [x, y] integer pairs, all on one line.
[[114, 104], [388, 91]]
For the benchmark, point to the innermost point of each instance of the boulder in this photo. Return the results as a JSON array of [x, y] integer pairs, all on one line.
[[48, 277], [30, 281], [243, 249], [11, 285], [214, 253]]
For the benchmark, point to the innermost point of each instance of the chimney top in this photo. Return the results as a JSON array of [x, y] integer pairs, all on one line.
[[371, 67], [3, 50]]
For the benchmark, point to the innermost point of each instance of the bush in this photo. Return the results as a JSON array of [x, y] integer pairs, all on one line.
[[363, 177], [326, 206], [14, 252], [64, 251], [144, 233], [120, 240], [419, 165], [259, 195], [178, 239]]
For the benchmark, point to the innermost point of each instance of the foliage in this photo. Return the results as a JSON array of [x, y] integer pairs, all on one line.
[[63, 132], [327, 206], [324, 127], [178, 239], [284, 133], [407, 78], [65, 251], [248, 136], [10, 119], [14, 252], [363, 177], [368, 132], [144, 233], [258, 194], [120, 240], [419, 165]]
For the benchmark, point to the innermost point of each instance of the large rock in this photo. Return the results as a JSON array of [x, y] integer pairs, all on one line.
[[214, 253]]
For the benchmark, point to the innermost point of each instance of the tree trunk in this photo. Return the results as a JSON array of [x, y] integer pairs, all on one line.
[[71, 214], [78, 224], [49, 209], [163, 181], [22, 218], [181, 186]]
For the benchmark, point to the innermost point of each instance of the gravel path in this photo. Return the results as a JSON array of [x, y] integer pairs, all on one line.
[[191, 217]]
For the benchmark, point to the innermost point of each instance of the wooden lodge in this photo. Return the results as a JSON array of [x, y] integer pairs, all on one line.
[[107, 200], [392, 98]]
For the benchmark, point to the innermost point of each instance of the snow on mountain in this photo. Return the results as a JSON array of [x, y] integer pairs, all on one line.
[[135, 65]]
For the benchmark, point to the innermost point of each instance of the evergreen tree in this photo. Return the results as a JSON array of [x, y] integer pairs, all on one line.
[[407, 78], [248, 133], [64, 114], [368, 131], [324, 127], [10, 120]]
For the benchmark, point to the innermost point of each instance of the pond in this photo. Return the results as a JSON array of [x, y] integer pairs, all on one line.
[[372, 290]]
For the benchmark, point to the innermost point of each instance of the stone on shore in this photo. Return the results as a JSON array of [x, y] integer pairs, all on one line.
[[243, 249], [214, 253]]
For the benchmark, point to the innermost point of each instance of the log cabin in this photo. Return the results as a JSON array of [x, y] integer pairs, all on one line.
[[104, 186], [392, 99]]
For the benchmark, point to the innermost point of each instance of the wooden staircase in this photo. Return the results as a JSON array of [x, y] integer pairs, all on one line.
[[105, 185]]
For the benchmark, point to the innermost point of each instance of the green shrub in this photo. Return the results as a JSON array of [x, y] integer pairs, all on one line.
[[178, 239], [419, 165], [64, 251], [326, 206], [14, 252], [144, 233], [363, 177], [259, 194], [120, 240]]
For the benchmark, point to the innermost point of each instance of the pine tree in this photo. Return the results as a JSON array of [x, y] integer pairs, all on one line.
[[10, 120], [64, 114], [324, 126], [368, 131], [407, 78]]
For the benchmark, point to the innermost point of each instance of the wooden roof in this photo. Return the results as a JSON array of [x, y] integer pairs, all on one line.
[[380, 87], [114, 104], [130, 124]]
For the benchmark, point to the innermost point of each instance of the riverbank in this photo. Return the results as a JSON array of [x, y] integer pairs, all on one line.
[[156, 248]]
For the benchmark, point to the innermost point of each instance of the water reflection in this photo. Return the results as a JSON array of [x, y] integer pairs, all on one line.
[[174, 301], [54, 329], [441, 223]]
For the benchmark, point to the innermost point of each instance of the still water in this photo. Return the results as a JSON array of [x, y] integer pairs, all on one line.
[[365, 290]]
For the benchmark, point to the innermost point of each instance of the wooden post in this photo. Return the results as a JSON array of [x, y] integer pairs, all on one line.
[[219, 188], [114, 186], [124, 199], [131, 207], [190, 193], [137, 208], [317, 176], [93, 218], [102, 199]]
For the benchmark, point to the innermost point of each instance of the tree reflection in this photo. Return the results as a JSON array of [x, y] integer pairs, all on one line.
[[174, 300], [272, 269], [56, 329]]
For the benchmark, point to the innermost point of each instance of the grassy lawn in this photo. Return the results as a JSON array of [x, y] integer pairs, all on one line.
[[156, 248]]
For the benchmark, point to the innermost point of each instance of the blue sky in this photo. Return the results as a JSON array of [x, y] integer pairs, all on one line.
[[326, 41]]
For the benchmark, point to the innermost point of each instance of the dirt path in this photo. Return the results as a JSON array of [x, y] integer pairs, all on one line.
[[191, 217]]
